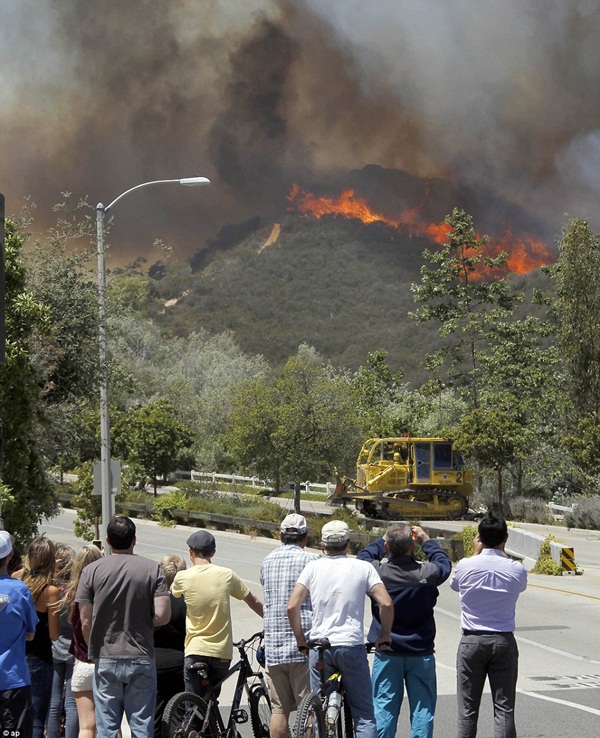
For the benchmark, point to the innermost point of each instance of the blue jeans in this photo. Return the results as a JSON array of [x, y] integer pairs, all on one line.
[[62, 696], [125, 686], [390, 675], [217, 669], [352, 663], [40, 673]]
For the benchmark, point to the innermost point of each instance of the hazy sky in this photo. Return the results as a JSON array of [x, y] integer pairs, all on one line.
[[96, 97]]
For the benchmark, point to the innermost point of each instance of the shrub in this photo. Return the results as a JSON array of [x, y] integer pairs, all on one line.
[[468, 535], [531, 511], [545, 563], [585, 514]]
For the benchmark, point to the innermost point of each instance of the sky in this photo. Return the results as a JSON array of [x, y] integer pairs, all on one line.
[[97, 97]]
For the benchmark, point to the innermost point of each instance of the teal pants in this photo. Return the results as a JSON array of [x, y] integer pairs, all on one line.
[[391, 674]]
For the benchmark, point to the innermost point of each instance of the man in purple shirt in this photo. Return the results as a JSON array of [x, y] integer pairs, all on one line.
[[489, 584]]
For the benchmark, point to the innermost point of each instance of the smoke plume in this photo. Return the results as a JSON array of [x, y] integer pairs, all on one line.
[[96, 97]]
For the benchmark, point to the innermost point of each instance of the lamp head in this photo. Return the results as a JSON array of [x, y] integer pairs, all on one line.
[[194, 181]]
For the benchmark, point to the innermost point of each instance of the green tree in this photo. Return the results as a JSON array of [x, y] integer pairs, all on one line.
[[377, 391], [492, 436], [576, 276], [62, 277], [153, 437], [28, 494], [460, 290], [87, 504], [297, 425]]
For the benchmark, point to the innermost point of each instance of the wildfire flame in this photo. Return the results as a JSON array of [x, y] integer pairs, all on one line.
[[524, 253]]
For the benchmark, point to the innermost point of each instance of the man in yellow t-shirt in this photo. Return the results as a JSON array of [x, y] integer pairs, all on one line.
[[207, 589]]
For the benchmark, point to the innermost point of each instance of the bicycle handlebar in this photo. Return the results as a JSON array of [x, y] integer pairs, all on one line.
[[245, 642]]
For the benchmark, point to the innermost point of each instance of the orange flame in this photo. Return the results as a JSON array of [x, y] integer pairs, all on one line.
[[524, 253]]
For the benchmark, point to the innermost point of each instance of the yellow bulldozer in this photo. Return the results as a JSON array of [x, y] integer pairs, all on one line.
[[406, 477]]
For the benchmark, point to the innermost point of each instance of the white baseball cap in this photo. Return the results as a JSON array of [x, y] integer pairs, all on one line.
[[5, 544], [335, 532], [294, 523]]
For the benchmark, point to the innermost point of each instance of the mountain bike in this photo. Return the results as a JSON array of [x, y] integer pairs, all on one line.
[[189, 716], [325, 714]]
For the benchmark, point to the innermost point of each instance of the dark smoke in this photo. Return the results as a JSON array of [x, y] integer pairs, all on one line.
[[96, 97]]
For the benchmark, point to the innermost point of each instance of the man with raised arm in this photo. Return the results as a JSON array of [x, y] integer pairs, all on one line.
[[337, 586], [489, 584], [413, 587]]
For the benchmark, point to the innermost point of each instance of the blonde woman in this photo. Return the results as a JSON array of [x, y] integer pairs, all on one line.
[[38, 574], [62, 702], [83, 669]]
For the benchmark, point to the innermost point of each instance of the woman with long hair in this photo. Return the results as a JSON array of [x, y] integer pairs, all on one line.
[[83, 669], [38, 574], [62, 703]]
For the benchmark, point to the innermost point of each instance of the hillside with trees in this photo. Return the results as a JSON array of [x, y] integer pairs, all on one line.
[[280, 359]]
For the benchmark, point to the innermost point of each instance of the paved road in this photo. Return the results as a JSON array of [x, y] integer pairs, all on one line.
[[558, 631]]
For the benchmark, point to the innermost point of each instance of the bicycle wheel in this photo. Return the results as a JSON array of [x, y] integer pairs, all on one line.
[[184, 715], [310, 722], [260, 711], [348, 723]]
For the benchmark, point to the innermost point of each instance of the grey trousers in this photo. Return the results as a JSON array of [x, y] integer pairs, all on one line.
[[495, 656]]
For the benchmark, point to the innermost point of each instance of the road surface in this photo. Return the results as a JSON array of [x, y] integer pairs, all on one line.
[[558, 631]]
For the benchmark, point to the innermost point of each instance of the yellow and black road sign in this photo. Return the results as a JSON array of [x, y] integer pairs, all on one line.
[[567, 560]]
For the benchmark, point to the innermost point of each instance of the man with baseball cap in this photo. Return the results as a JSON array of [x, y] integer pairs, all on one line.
[[287, 668], [337, 586], [18, 620], [207, 589]]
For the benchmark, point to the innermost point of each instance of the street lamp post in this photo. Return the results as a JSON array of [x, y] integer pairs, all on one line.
[[105, 471]]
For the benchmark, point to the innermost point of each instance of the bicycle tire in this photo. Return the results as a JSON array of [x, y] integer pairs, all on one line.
[[348, 722], [260, 711], [184, 714], [310, 722]]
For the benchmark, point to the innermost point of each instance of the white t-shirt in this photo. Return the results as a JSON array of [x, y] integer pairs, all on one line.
[[338, 586]]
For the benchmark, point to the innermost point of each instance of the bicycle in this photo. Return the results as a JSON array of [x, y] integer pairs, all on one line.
[[325, 714], [188, 715]]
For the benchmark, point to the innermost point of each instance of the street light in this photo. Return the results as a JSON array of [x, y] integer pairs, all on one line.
[[105, 472]]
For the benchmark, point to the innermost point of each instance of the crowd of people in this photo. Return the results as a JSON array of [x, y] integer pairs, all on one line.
[[88, 639]]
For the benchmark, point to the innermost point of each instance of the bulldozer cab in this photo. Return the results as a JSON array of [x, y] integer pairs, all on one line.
[[394, 463]]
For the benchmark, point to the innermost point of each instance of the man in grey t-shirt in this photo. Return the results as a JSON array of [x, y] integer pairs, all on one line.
[[122, 598]]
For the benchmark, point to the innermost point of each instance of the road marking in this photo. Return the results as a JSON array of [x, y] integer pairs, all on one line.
[[556, 651], [563, 591], [529, 642], [557, 701]]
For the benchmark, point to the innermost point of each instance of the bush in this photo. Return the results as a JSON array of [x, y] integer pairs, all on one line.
[[468, 535], [585, 514], [545, 563], [531, 511]]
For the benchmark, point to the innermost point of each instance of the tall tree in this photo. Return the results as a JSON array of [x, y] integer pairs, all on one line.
[[27, 492], [377, 391], [298, 425], [153, 437], [577, 278], [462, 291]]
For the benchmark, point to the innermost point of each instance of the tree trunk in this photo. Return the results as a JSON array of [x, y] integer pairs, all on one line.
[[297, 488], [500, 492], [155, 483]]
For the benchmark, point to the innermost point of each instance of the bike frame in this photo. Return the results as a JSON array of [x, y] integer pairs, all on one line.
[[244, 667]]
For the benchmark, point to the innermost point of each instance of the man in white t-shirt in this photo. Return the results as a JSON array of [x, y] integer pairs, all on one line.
[[337, 586]]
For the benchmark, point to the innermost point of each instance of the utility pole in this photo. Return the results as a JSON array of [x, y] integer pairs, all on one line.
[[2, 325]]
